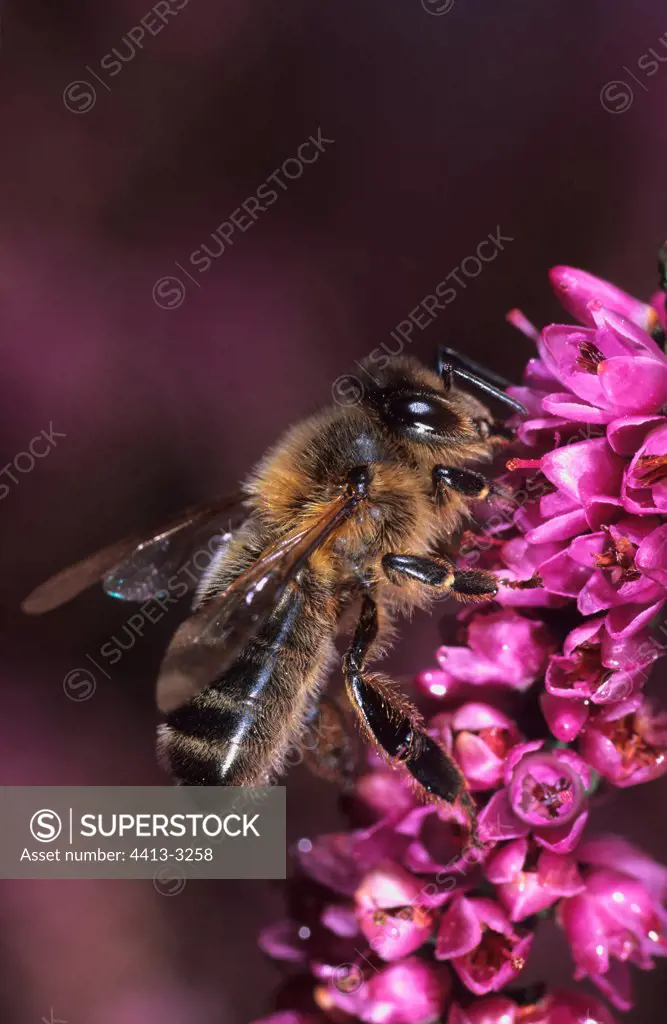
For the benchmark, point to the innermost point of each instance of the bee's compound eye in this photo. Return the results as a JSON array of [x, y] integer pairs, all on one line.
[[417, 414]]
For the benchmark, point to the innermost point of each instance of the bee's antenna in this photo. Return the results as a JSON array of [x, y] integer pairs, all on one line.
[[451, 355], [490, 390], [447, 370]]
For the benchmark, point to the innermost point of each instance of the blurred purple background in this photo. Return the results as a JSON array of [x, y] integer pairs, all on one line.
[[450, 120]]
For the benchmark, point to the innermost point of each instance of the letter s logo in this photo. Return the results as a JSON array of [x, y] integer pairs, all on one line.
[[45, 826]]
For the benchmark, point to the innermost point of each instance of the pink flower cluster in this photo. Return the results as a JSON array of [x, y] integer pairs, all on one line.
[[590, 487], [399, 921]]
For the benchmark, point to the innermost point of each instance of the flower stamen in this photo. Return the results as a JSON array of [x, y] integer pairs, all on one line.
[[651, 469], [492, 953], [620, 554], [635, 750], [513, 464], [589, 357]]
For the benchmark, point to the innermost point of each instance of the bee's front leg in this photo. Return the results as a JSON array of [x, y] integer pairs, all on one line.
[[396, 727]]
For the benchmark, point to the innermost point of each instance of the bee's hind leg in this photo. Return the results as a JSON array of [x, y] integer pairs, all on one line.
[[392, 723]]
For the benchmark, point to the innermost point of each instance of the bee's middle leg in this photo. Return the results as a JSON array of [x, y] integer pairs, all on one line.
[[395, 725], [439, 574]]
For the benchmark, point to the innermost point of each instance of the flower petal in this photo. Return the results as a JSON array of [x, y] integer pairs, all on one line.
[[565, 717], [634, 384], [507, 861], [575, 289], [585, 468], [460, 930], [626, 620], [566, 406], [497, 820], [627, 433]]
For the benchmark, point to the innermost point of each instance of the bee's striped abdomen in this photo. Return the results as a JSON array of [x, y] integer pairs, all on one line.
[[237, 732]]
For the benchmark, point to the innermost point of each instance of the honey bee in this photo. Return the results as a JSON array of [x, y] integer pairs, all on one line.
[[342, 516]]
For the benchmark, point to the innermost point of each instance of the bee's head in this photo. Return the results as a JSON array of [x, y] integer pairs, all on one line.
[[414, 408]]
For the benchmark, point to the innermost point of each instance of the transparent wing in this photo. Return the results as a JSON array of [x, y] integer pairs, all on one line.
[[140, 567], [208, 642]]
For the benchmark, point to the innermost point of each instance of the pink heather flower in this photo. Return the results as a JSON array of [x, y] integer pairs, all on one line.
[[436, 837], [596, 667], [567, 1007], [616, 921], [503, 647], [329, 939], [544, 796], [480, 737], [644, 489], [528, 879], [587, 476], [409, 992], [612, 369], [564, 716], [390, 913], [603, 571], [559, 1007], [611, 851], [484, 948], [576, 289], [626, 742], [383, 792]]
